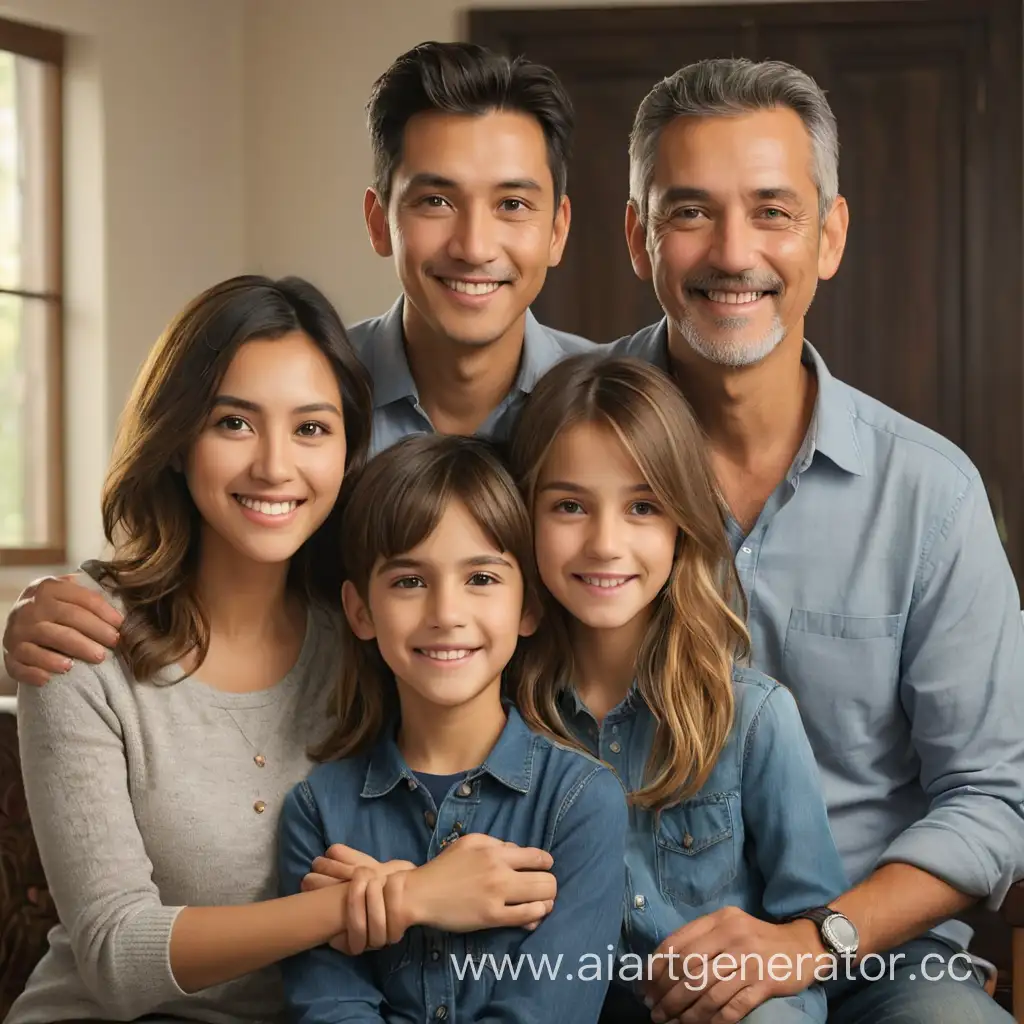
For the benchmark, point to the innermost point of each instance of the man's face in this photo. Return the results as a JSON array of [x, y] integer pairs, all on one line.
[[733, 242], [472, 223]]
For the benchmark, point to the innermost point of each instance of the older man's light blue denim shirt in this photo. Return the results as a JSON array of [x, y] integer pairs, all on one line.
[[880, 594], [756, 836], [529, 791], [380, 343]]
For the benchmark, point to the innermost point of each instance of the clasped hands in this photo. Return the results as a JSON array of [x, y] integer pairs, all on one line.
[[474, 883]]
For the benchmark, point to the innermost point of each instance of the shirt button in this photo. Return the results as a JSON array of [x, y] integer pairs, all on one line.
[[411, 783], [639, 902], [465, 790], [687, 840], [441, 1013], [259, 807], [260, 760], [435, 954], [614, 747], [430, 818], [746, 551]]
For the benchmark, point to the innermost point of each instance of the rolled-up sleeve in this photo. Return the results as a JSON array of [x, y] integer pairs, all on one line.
[[962, 688]]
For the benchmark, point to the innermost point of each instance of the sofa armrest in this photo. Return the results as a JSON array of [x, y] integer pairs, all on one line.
[[26, 909]]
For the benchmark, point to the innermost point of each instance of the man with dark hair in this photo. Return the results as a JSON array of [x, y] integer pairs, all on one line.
[[470, 152]]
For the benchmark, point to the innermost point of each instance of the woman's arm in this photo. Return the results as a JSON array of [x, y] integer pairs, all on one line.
[[322, 986], [133, 952]]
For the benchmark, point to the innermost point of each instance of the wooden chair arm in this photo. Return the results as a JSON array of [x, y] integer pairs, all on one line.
[[1012, 910]]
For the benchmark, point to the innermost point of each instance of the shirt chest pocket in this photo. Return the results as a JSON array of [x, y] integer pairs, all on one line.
[[698, 848], [856, 657]]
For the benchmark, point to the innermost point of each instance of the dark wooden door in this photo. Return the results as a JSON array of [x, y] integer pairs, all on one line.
[[926, 312]]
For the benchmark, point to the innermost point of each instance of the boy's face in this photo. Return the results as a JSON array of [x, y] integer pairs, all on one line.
[[472, 224], [446, 615]]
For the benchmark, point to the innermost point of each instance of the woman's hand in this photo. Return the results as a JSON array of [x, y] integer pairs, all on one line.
[[340, 863], [365, 922]]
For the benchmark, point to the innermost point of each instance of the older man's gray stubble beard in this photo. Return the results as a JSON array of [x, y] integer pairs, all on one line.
[[728, 350]]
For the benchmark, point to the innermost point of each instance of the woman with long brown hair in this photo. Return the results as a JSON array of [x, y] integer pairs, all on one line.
[[640, 663], [155, 779]]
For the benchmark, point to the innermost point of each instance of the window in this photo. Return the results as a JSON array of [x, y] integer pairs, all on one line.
[[31, 459]]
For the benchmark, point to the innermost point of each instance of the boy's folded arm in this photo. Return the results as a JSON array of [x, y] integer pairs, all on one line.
[[582, 931]]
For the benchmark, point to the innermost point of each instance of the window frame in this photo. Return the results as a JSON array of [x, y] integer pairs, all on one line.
[[47, 47]]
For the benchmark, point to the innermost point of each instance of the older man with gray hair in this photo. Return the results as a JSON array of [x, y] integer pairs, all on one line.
[[878, 589]]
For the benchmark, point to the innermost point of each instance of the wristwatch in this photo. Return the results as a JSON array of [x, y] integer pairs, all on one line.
[[838, 933]]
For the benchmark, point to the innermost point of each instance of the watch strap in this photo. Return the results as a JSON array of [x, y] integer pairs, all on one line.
[[816, 914]]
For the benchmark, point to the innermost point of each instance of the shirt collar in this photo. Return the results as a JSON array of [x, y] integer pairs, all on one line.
[[392, 379], [540, 352], [389, 366], [571, 706], [510, 762], [832, 430]]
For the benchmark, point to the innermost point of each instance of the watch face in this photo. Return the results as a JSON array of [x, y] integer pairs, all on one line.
[[841, 932]]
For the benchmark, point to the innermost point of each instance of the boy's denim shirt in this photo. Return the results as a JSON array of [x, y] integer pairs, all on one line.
[[756, 836], [530, 791]]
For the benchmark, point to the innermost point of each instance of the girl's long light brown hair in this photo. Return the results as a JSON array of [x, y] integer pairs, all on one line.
[[393, 507], [685, 660], [149, 517]]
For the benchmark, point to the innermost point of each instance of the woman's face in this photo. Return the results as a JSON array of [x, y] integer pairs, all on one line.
[[266, 470]]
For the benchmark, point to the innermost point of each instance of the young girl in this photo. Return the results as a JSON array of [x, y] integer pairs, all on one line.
[[726, 809], [155, 779], [439, 564]]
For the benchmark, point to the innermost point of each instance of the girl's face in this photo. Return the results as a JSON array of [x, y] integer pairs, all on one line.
[[605, 548], [446, 615], [267, 468]]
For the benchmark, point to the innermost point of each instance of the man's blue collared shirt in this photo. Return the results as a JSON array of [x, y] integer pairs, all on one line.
[[880, 594], [380, 343]]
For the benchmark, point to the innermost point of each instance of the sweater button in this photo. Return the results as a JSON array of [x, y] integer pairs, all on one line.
[[259, 807]]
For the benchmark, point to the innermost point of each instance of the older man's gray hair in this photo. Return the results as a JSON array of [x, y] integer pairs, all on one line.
[[716, 88]]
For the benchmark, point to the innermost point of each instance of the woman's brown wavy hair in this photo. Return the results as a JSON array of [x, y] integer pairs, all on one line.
[[685, 660], [394, 506], [149, 517]]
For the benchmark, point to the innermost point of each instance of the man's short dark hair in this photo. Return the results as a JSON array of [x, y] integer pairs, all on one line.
[[463, 78]]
